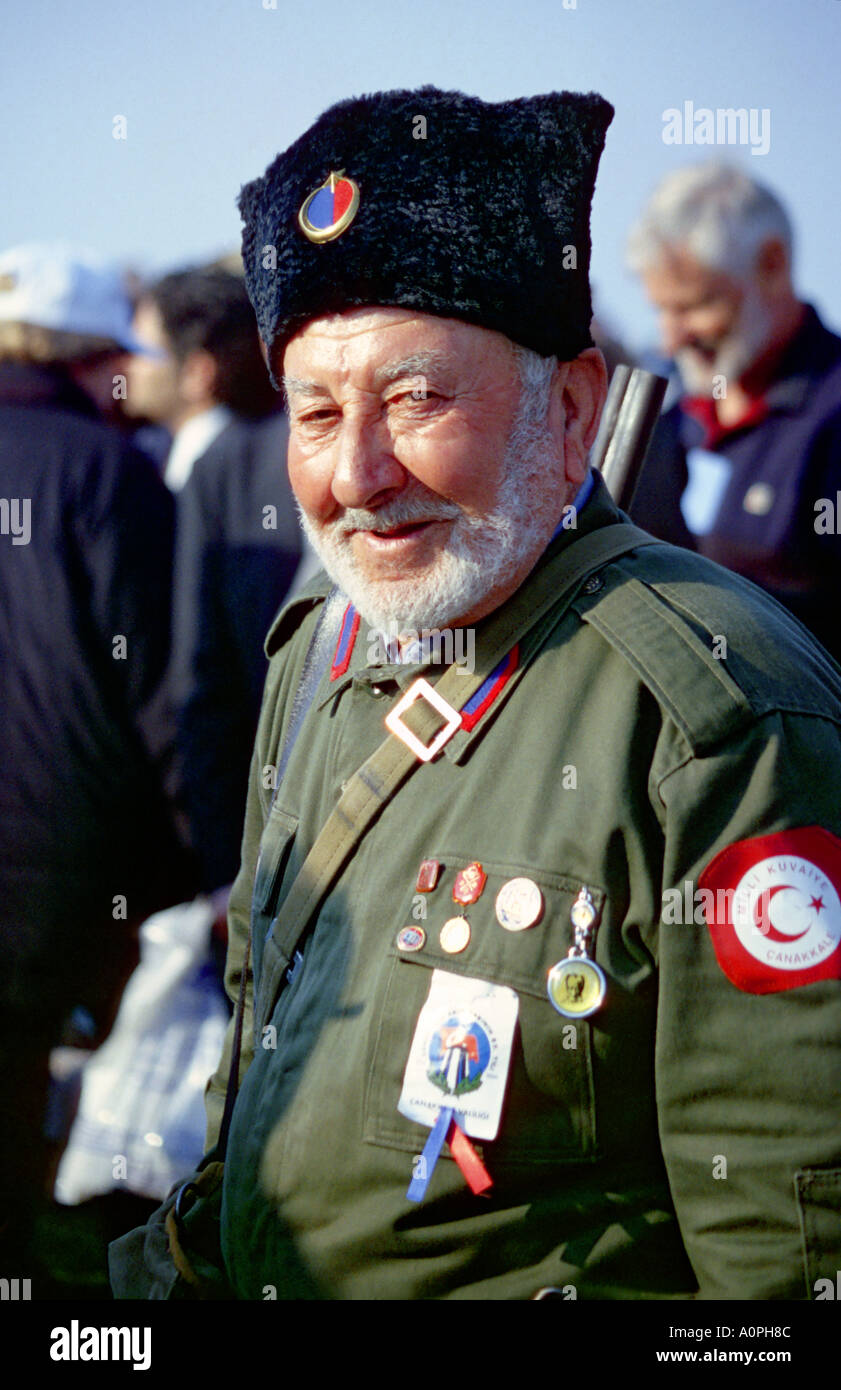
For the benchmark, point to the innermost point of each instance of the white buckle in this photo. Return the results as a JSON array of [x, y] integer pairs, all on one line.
[[395, 724]]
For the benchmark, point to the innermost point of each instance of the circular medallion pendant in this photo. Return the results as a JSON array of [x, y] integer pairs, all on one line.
[[576, 986]]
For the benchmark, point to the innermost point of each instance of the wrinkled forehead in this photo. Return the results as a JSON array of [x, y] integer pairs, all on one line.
[[386, 343]]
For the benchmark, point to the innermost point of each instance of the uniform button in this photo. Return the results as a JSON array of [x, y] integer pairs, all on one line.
[[593, 584], [377, 690], [759, 499]]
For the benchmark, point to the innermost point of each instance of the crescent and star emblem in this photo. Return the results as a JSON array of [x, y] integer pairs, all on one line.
[[790, 913]]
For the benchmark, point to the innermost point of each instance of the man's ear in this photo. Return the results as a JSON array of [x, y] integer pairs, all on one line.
[[578, 394], [772, 264]]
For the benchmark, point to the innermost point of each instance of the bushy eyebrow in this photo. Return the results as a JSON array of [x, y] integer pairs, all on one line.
[[418, 364], [296, 386]]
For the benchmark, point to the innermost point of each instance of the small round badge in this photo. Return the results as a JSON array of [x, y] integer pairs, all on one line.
[[455, 935], [759, 499], [411, 939], [330, 209], [519, 904], [576, 986]]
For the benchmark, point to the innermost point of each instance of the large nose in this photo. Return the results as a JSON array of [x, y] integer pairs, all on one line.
[[367, 472], [675, 331]]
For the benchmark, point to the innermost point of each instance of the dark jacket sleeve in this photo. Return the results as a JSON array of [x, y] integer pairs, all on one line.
[[662, 481], [231, 575], [124, 522]]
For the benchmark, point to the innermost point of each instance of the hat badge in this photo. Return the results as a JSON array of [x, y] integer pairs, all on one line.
[[330, 209]]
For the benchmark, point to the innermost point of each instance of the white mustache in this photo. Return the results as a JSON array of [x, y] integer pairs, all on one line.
[[399, 513]]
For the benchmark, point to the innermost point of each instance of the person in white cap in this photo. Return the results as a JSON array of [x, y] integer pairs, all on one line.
[[69, 307], [87, 849]]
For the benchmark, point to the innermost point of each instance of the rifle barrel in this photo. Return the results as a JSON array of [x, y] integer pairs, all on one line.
[[624, 443]]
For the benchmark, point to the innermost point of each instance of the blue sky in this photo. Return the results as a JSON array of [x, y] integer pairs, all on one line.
[[212, 89]]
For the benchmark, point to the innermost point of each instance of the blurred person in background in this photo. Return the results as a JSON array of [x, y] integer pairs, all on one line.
[[87, 845], [613, 349], [46, 286], [238, 543], [206, 370], [238, 549], [754, 442]]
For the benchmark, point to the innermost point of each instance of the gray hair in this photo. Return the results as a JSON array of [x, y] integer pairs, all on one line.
[[716, 212], [535, 384]]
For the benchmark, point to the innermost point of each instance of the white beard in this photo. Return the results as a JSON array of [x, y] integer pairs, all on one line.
[[483, 553], [746, 342]]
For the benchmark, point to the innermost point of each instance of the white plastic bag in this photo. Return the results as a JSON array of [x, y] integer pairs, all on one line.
[[141, 1121]]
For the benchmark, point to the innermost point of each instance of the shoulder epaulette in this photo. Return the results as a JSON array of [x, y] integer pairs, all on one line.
[[292, 614], [715, 651]]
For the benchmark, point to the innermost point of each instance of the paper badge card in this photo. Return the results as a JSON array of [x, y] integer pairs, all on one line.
[[460, 1054]]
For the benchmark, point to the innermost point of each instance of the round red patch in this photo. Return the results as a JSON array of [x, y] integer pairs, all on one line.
[[773, 909]]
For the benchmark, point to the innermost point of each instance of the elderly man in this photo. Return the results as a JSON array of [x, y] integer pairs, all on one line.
[[752, 451], [534, 941]]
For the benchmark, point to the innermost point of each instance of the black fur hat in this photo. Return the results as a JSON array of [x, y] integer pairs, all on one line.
[[433, 201]]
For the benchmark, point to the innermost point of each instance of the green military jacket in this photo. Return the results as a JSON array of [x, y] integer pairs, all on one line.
[[683, 1140]]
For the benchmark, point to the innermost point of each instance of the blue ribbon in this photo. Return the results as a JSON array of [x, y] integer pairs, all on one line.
[[431, 1151]]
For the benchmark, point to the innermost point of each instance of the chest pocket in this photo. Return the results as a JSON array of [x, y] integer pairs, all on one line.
[[549, 1113], [276, 845]]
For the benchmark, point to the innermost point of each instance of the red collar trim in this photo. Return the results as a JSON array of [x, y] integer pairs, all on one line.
[[484, 697], [702, 409], [344, 645]]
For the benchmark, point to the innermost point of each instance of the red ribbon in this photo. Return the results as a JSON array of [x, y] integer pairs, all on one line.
[[473, 1169]]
